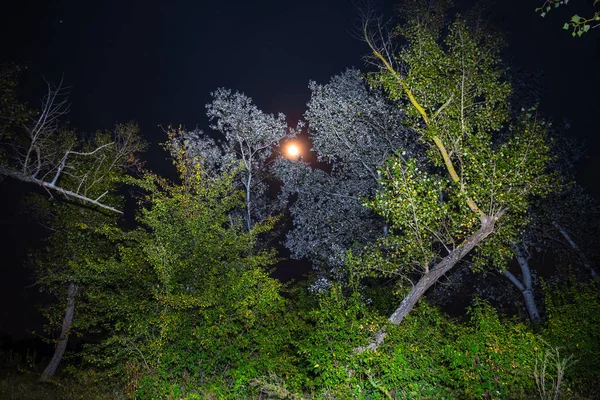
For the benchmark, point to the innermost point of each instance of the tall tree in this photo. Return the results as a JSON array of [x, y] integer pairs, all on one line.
[[483, 170], [250, 136], [354, 129], [61, 267], [186, 293], [557, 222]]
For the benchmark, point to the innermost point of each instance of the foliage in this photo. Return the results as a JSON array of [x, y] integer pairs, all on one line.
[[573, 314], [248, 137], [579, 25], [340, 324], [354, 129], [185, 297], [482, 169], [19, 380], [429, 355]]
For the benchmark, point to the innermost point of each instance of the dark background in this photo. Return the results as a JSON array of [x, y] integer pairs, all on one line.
[[157, 62]]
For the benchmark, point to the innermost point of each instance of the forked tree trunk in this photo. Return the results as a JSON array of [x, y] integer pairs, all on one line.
[[525, 287], [61, 344], [434, 274]]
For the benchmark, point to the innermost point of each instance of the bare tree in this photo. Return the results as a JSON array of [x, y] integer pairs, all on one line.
[[48, 155]]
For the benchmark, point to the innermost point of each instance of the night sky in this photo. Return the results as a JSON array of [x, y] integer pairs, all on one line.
[[157, 62]]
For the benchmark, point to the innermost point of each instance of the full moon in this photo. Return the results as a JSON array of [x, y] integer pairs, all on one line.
[[293, 150]]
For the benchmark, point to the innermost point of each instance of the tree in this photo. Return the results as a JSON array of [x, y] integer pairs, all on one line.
[[250, 137], [38, 150], [186, 294], [354, 129], [483, 170], [562, 227], [61, 266], [568, 208], [525, 285], [60, 269]]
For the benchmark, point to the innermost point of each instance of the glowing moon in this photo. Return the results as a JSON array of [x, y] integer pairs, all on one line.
[[293, 150]]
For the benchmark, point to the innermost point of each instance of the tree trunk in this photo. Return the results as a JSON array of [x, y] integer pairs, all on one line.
[[577, 250], [248, 201], [61, 344], [434, 274], [441, 268], [525, 287]]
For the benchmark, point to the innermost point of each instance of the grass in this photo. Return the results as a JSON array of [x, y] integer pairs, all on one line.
[[20, 380]]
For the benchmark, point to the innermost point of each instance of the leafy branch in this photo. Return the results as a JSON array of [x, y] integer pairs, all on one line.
[[578, 24]]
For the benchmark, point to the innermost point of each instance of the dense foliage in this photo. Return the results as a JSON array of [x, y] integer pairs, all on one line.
[[354, 129], [186, 296], [429, 168]]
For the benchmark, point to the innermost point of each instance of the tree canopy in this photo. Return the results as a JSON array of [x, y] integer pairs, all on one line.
[[433, 169]]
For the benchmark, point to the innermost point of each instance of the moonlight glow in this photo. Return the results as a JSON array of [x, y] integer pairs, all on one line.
[[293, 150]]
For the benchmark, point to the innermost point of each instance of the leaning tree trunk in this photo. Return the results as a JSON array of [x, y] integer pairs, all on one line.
[[584, 259], [434, 274], [61, 344], [525, 287]]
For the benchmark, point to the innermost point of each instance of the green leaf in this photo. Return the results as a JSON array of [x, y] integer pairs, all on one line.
[[543, 14], [575, 18], [579, 33], [586, 28], [566, 26]]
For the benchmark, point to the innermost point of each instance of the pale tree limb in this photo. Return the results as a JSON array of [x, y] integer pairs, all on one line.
[[586, 263], [430, 278], [54, 106], [61, 343], [525, 286], [49, 186], [35, 156]]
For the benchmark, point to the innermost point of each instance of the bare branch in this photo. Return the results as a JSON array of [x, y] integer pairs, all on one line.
[[42, 153], [48, 186]]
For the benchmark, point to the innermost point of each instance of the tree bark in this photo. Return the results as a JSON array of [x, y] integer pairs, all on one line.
[[61, 344], [528, 298], [51, 186], [434, 274], [525, 287]]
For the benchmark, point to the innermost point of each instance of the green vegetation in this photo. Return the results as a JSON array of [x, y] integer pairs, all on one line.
[[182, 305], [578, 25]]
